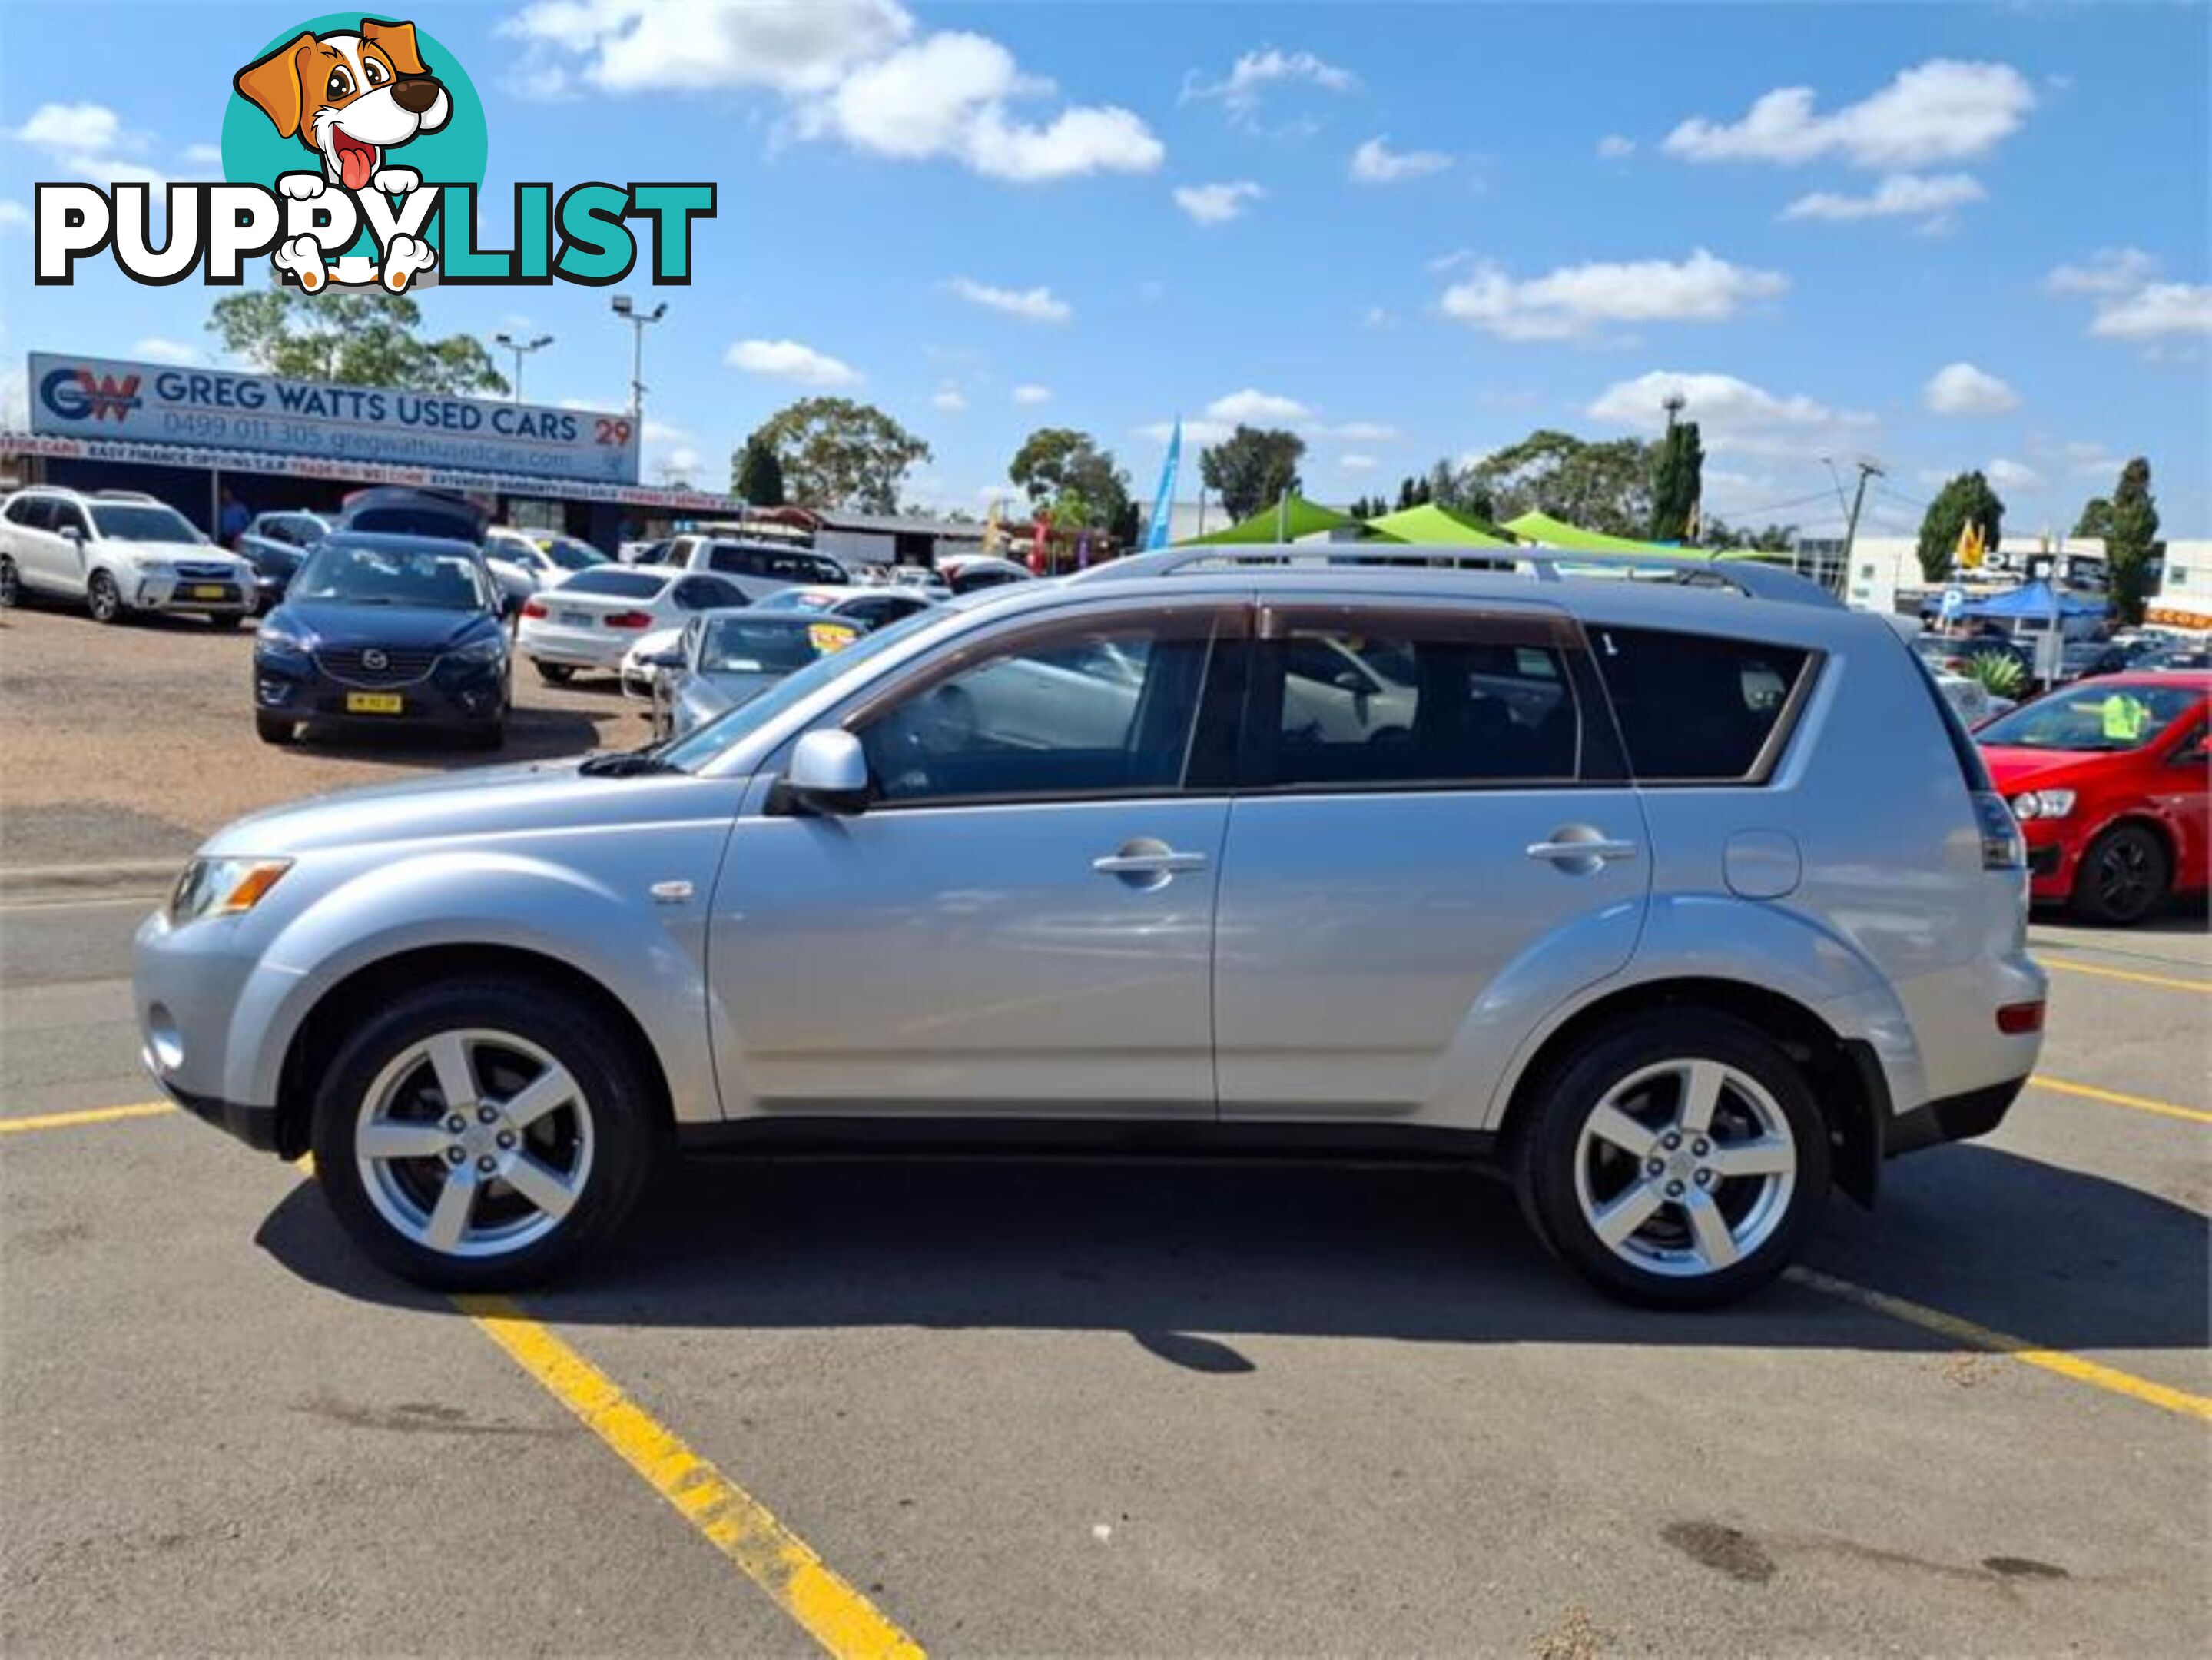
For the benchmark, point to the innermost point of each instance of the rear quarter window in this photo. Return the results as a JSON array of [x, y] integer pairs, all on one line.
[[1695, 708]]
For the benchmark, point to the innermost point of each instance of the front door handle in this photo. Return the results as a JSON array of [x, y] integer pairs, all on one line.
[[1580, 850], [1145, 862]]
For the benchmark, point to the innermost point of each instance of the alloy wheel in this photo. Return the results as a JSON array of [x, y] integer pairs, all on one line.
[[474, 1143], [102, 600], [1685, 1168], [2126, 883]]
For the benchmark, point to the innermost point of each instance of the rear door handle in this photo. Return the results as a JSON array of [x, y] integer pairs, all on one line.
[[1580, 851], [1145, 862]]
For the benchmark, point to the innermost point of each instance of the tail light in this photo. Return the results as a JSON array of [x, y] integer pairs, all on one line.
[[630, 619], [2002, 846], [533, 608]]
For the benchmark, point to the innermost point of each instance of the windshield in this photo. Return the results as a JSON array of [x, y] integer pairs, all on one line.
[[700, 748], [573, 555], [796, 600], [435, 579], [2099, 716], [751, 645], [142, 522]]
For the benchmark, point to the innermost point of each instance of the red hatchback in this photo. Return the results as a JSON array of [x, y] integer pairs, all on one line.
[[2107, 778]]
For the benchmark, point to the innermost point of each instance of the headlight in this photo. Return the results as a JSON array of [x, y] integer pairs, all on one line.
[[269, 636], [223, 887], [155, 568], [489, 649], [2042, 803]]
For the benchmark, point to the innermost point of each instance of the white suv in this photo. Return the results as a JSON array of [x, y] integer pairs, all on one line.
[[756, 567], [118, 551]]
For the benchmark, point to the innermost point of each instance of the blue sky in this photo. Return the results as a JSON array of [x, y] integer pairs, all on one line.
[[1976, 237]]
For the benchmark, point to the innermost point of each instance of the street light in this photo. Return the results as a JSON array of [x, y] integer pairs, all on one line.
[[520, 348], [637, 319]]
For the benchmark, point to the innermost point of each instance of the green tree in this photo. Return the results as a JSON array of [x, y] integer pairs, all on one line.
[[1600, 486], [1677, 480], [837, 452], [1060, 468], [1966, 499], [1254, 467], [2131, 545], [358, 339], [759, 474], [1407, 498], [2096, 521]]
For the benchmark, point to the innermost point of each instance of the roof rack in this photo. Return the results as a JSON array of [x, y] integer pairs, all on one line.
[[1750, 578]]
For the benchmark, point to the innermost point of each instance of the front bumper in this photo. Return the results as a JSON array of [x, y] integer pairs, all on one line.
[[255, 1126], [2052, 858], [186, 984], [216, 596], [454, 694]]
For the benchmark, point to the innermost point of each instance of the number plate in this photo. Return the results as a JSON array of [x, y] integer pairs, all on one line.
[[207, 591], [374, 702], [576, 619]]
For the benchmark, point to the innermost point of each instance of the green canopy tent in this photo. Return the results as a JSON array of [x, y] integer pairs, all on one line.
[[1551, 532], [1290, 520], [1431, 526]]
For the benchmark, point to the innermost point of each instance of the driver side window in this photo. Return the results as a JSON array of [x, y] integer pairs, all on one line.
[[1103, 709]]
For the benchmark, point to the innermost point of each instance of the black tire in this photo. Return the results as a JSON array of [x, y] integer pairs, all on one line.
[[273, 729], [11, 584], [2124, 878], [624, 1118], [103, 599], [1543, 1152], [554, 674]]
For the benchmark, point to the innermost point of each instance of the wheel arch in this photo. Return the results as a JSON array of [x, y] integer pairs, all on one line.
[[315, 1041], [1845, 1076]]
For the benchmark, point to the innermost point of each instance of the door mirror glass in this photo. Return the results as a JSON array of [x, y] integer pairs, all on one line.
[[829, 772], [69, 532]]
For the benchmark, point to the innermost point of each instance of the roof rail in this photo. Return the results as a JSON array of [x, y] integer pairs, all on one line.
[[1748, 577]]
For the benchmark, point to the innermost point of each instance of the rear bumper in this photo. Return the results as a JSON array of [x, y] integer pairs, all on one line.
[[1953, 1118]]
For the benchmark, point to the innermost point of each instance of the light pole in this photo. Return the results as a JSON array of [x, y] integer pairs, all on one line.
[[520, 349], [637, 319]]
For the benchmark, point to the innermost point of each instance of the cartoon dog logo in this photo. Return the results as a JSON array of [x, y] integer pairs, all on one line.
[[350, 98]]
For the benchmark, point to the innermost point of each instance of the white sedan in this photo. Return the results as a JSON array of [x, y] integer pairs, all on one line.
[[595, 617]]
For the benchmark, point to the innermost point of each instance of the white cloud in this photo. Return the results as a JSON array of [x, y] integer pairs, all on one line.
[[1614, 148], [1962, 389], [2087, 457], [89, 141], [2011, 475], [1032, 394], [1940, 111], [2154, 312], [1241, 91], [662, 432], [1251, 407], [203, 155], [14, 216], [1357, 463], [1731, 414], [787, 360], [2108, 270], [1898, 195], [949, 399], [1576, 300], [1362, 432], [155, 348], [1375, 163], [1216, 205], [1036, 305], [852, 70], [682, 463], [1196, 431]]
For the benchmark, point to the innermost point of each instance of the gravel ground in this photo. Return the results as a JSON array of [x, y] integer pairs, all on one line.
[[135, 742]]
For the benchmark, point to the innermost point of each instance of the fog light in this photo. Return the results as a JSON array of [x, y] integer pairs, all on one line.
[[163, 1038]]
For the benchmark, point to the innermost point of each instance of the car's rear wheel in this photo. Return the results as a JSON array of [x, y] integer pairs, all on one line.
[[554, 674], [274, 729], [11, 584], [484, 1134], [103, 599], [1675, 1161], [2124, 877]]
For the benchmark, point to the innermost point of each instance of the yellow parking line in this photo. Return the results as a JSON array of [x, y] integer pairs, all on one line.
[[2114, 1099], [1967, 1334], [2168, 982], [833, 1613], [62, 1120]]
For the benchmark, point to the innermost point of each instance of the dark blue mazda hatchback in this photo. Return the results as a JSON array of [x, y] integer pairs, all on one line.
[[380, 629]]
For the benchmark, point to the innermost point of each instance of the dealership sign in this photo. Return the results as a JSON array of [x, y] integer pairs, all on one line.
[[222, 410]]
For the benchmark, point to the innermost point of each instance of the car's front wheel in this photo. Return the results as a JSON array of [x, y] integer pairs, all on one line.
[[11, 584], [1675, 1161], [482, 1134], [103, 599], [2123, 878]]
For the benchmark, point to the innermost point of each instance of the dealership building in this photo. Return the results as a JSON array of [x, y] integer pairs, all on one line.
[[190, 436]]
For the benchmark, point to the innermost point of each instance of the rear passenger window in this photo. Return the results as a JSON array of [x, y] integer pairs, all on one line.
[[1432, 706], [1694, 709]]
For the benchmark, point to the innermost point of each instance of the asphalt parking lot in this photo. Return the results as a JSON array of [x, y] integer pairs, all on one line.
[[1028, 1408]]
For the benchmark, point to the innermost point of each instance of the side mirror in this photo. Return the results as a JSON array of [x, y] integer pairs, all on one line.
[[71, 533], [829, 773]]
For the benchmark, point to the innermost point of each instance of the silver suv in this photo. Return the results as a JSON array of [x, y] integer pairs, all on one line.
[[1684, 900]]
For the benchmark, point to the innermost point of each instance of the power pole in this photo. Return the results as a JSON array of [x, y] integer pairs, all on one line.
[[1867, 470], [520, 349]]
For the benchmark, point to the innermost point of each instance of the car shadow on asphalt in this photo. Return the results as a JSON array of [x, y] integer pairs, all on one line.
[[1168, 1252], [533, 734]]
